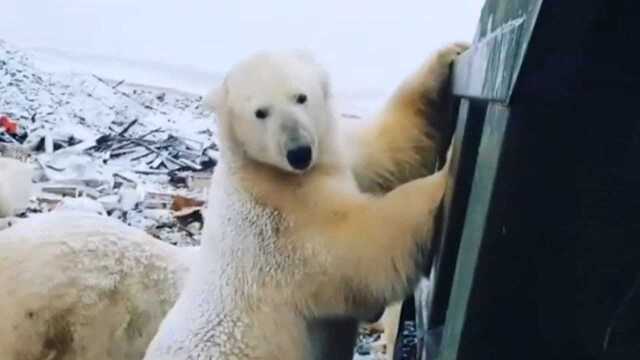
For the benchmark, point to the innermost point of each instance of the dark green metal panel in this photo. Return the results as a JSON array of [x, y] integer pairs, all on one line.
[[470, 121], [479, 207], [497, 13], [490, 68]]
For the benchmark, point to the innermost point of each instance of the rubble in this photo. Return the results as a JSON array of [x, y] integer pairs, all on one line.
[[8, 125], [187, 211], [122, 150]]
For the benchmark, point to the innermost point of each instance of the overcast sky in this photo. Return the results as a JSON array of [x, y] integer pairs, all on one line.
[[368, 46]]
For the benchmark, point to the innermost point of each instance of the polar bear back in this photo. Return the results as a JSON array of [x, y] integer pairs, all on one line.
[[83, 286]]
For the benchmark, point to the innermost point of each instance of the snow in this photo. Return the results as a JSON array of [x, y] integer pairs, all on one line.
[[81, 204], [73, 112]]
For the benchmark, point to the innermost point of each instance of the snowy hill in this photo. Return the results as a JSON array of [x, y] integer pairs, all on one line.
[[104, 144], [60, 101]]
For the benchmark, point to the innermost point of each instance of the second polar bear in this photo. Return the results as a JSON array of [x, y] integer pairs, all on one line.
[[15, 186], [291, 236]]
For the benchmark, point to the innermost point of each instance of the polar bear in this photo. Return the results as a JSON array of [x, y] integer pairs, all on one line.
[[76, 285], [76, 279], [292, 237], [15, 186]]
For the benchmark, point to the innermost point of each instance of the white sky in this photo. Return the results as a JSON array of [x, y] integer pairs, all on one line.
[[368, 46]]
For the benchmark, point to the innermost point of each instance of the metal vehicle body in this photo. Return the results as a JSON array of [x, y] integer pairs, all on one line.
[[539, 243]]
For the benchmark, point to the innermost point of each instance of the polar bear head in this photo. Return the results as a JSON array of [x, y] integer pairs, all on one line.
[[274, 108]]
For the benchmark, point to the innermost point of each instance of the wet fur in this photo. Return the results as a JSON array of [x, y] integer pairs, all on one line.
[[315, 246], [77, 286], [15, 186]]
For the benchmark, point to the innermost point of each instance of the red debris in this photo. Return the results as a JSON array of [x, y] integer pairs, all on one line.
[[10, 126]]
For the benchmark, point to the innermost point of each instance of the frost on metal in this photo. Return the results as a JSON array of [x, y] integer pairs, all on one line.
[[496, 58]]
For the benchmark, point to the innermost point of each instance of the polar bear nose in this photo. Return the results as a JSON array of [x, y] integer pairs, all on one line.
[[299, 157]]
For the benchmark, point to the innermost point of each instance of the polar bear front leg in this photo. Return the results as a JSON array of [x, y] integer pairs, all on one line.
[[411, 130], [376, 249]]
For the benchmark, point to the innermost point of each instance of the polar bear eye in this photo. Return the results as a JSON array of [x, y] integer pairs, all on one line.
[[262, 113], [301, 98]]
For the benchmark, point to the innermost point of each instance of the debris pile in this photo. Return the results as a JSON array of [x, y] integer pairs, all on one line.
[[128, 151]]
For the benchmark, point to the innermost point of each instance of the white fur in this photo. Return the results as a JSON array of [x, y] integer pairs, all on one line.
[[15, 186], [83, 286], [288, 124], [283, 246]]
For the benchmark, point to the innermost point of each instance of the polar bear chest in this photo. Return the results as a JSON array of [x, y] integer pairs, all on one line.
[[246, 243]]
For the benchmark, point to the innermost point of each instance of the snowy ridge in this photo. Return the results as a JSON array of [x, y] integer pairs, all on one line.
[[57, 101], [151, 73]]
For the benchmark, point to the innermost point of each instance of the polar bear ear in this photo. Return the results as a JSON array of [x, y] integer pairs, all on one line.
[[320, 71], [216, 99]]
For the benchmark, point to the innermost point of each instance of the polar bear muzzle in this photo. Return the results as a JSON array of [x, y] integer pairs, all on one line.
[[298, 145], [300, 157]]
